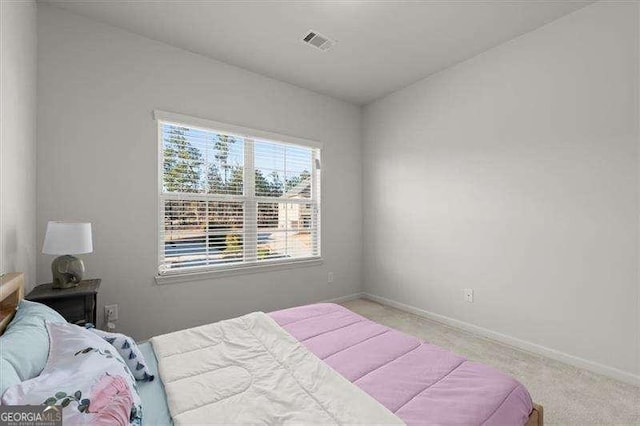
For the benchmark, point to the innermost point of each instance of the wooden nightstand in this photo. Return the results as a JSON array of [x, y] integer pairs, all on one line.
[[77, 305]]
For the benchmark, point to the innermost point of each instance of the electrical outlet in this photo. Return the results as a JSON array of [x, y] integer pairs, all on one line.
[[330, 277], [468, 295], [111, 312]]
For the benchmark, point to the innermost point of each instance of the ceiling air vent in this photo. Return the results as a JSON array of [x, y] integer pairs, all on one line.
[[317, 40]]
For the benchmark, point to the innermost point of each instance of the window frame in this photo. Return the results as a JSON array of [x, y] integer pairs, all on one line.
[[248, 196]]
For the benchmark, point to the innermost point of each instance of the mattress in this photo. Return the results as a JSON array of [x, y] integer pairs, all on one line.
[[419, 382]]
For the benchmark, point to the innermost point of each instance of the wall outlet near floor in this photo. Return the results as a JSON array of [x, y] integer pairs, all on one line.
[[111, 312], [330, 277], [468, 295]]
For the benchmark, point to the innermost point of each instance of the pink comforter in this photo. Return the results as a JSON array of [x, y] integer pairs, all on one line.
[[421, 383]]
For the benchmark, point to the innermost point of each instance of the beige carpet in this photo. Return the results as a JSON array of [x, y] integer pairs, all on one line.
[[569, 395]]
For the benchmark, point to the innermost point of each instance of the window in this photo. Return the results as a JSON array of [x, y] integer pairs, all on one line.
[[231, 197]]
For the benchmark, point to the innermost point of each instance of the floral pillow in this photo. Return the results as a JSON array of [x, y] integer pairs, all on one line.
[[84, 375]]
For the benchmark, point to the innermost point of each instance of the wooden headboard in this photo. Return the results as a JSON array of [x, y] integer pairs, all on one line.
[[11, 293]]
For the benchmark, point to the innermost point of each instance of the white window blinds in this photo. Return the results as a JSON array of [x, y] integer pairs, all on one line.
[[228, 201]]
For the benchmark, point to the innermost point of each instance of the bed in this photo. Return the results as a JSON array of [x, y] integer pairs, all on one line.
[[418, 382]]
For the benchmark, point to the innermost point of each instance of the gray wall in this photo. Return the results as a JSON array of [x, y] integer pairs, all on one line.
[[97, 162], [18, 138], [515, 173]]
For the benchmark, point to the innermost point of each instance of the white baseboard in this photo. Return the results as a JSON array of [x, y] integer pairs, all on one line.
[[346, 298], [575, 361]]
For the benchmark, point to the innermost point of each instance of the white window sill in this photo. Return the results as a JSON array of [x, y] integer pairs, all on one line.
[[237, 270]]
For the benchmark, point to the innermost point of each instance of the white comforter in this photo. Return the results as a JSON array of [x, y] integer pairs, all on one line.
[[250, 370]]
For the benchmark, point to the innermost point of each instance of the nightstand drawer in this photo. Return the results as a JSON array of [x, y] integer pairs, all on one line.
[[73, 309]]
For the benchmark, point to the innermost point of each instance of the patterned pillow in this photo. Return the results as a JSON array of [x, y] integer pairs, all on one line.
[[129, 351], [86, 377]]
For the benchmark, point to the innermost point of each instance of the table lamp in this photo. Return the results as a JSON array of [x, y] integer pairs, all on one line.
[[66, 239]]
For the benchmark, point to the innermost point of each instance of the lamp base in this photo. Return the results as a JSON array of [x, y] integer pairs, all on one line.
[[67, 271]]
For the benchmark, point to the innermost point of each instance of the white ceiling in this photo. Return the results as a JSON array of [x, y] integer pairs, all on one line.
[[382, 45]]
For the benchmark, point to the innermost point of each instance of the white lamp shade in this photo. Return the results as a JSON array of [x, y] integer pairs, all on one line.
[[67, 238]]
